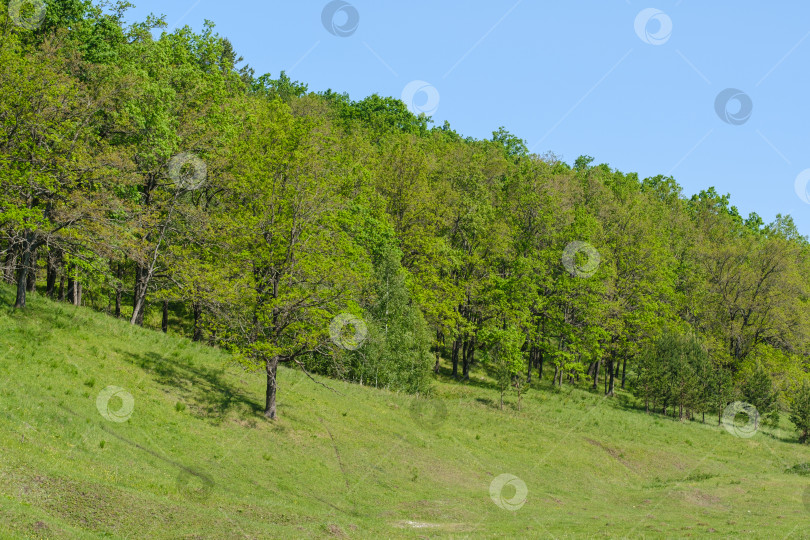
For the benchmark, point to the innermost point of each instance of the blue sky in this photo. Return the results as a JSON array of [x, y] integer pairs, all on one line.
[[635, 89]]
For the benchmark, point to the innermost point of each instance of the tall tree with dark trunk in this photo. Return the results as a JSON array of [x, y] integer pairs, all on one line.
[[293, 267]]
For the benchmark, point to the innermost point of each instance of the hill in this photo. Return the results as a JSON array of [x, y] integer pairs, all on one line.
[[191, 456]]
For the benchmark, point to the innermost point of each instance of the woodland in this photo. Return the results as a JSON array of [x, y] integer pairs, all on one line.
[[154, 176]]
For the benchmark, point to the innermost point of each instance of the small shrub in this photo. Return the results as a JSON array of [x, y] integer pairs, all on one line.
[[697, 477], [802, 469]]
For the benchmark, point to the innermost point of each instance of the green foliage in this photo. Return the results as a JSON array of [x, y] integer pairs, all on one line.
[[504, 358], [675, 371], [398, 351], [385, 115], [802, 469], [312, 205], [800, 412], [757, 389], [283, 88], [514, 147]]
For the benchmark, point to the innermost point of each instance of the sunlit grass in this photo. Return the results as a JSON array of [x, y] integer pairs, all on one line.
[[197, 460]]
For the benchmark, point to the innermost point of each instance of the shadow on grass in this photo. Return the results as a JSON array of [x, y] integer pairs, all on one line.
[[785, 438], [491, 403], [446, 375], [204, 388]]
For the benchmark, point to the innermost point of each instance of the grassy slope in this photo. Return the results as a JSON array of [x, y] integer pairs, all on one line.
[[354, 464]]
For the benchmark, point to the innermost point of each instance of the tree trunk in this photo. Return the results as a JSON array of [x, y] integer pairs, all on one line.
[[624, 370], [469, 356], [540, 362], [596, 373], [71, 284], [464, 359], [31, 284], [272, 387], [74, 289], [454, 357], [53, 271], [22, 272], [139, 294], [606, 377], [611, 384], [11, 264], [22, 281], [164, 323]]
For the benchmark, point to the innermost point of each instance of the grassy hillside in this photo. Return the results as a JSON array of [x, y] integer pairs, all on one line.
[[195, 459]]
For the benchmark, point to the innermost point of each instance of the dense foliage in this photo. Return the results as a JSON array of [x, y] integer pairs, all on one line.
[[141, 172]]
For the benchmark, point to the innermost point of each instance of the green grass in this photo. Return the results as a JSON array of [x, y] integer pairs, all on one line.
[[197, 460]]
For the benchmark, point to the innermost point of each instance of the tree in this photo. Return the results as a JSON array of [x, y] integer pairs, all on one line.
[[513, 146], [757, 389], [672, 371], [800, 412], [504, 356], [171, 118], [292, 265]]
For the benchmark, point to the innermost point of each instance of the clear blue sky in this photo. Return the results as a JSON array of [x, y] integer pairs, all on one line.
[[570, 77]]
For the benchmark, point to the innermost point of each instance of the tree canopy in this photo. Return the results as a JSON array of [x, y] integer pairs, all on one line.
[[144, 172]]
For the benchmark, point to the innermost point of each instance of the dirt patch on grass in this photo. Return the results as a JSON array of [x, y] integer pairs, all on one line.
[[702, 499], [445, 527], [614, 453]]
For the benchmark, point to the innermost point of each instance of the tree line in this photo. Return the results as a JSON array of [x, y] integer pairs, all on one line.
[[150, 170]]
